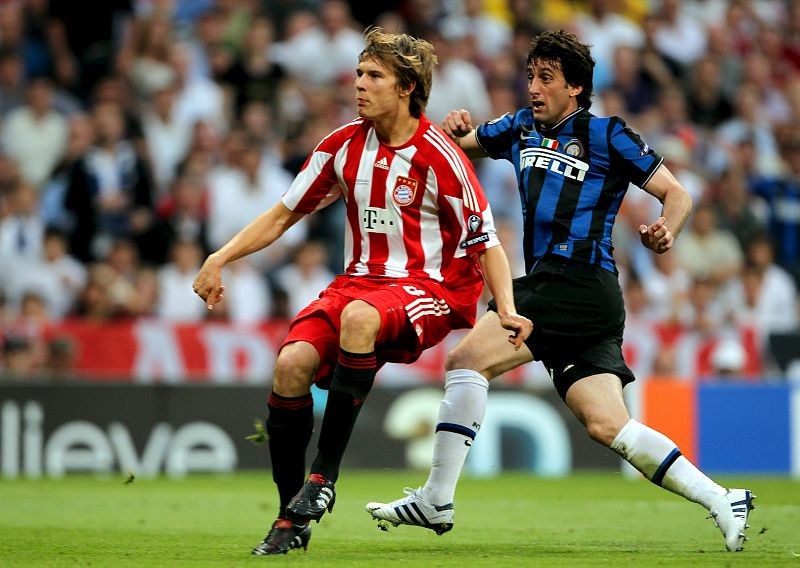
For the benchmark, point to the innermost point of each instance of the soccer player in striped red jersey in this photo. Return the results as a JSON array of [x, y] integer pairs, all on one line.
[[419, 242]]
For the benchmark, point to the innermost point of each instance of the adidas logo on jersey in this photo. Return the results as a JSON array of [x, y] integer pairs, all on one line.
[[382, 164]]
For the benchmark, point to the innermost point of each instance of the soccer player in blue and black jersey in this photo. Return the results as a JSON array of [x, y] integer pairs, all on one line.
[[573, 169]]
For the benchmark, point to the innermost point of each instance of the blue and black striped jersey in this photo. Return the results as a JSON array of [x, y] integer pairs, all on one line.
[[572, 179]]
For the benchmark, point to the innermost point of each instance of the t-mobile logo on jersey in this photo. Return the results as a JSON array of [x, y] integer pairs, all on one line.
[[377, 220]]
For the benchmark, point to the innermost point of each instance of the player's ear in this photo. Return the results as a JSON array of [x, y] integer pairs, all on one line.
[[574, 90], [407, 90]]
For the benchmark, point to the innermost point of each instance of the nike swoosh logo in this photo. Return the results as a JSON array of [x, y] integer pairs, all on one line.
[[523, 137]]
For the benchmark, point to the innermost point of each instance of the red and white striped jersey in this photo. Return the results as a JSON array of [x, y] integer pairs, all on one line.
[[413, 211]]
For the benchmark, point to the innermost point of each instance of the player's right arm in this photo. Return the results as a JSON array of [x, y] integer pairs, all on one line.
[[458, 126], [260, 233], [497, 275]]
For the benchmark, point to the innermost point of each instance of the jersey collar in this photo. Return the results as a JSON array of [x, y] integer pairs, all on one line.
[[559, 124]]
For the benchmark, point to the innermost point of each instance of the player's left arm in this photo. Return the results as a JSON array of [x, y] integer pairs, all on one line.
[[497, 273], [677, 204]]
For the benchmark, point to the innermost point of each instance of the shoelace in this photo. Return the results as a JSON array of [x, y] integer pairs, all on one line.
[[412, 494]]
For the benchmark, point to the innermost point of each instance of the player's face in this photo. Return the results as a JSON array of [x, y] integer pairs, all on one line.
[[376, 90], [551, 97]]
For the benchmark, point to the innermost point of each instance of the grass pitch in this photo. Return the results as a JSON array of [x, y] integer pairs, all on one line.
[[512, 520]]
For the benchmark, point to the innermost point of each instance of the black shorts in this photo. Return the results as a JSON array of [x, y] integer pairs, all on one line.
[[578, 318]]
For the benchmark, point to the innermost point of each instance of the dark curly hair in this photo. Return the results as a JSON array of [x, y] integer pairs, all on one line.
[[565, 50]]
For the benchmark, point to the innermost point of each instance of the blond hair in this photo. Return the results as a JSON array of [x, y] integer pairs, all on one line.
[[409, 58]]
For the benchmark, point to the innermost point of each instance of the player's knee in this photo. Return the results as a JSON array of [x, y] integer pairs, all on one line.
[[460, 357], [602, 431], [294, 373], [360, 319]]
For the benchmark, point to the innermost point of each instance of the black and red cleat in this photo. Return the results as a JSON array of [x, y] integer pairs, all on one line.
[[315, 497], [284, 536]]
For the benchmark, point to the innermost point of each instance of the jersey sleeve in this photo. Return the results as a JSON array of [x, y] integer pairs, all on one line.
[[475, 215], [496, 137], [631, 158], [317, 185]]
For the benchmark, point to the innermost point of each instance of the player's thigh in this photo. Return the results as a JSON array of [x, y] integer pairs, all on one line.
[[486, 349], [411, 315]]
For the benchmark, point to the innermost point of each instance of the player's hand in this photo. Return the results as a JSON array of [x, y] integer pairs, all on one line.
[[657, 237], [457, 124], [520, 325], [208, 282]]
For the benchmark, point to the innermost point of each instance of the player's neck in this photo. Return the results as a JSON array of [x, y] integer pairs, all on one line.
[[556, 122], [397, 130]]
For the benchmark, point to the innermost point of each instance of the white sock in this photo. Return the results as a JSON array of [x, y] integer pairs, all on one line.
[[660, 461], [461, 413]]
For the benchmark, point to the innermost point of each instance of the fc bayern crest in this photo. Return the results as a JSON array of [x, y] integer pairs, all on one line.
[[405, 189], [574, 148], [474, 223]]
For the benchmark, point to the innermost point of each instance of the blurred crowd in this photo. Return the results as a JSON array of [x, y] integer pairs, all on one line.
[[136, 136]]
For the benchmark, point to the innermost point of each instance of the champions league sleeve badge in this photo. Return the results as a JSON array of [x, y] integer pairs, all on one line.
[[474, 223], [405, 189]]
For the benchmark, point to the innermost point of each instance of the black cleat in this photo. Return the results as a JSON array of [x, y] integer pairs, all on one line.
[[316, 495], [282, 537]]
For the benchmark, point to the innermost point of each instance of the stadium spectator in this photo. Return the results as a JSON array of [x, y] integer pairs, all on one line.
[[409, 263], [630, 80], [457, 82], [174, 278], [35, 134], [123, 265], [679, 37], [86, 44], [304, 277], [571, 291], [666, 286], [56, 277], [167, 133], [249, 295], [782, 194], [605, 29], [703, 312], [737, 211], [197, 98], [728, 359], [707, 251], [21, 226], [721, 49], [110, 191], [237, 194], [181, 216], [709, 105], [12, 80], [490, 35], [52, 206], [254, 76], [766, 295], [257, 124], [308, 36], [746, 123], [18, 360]]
